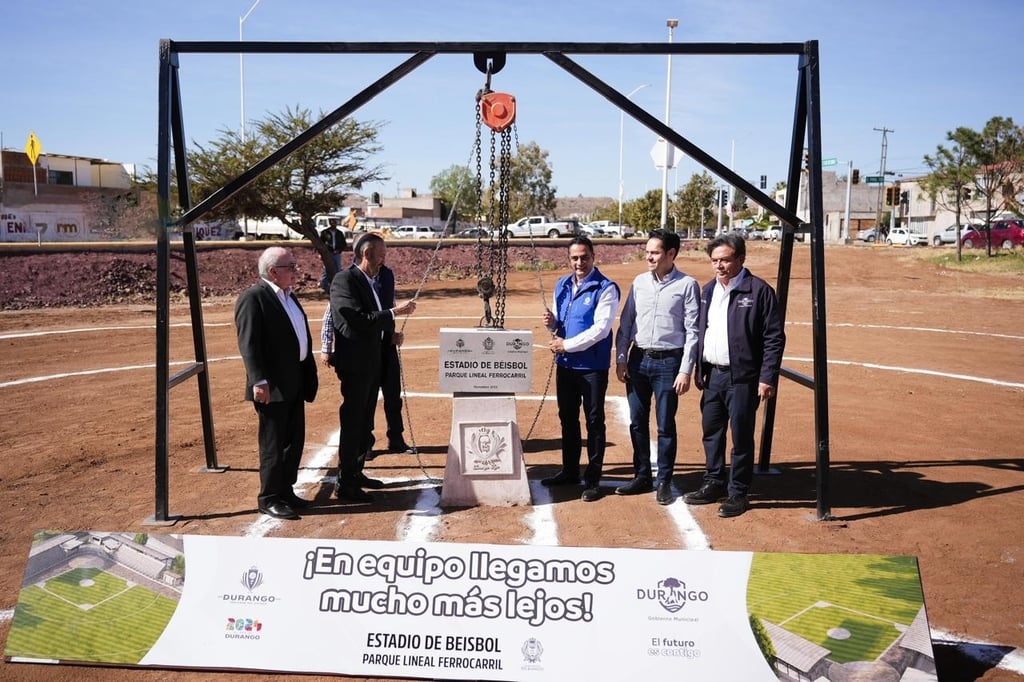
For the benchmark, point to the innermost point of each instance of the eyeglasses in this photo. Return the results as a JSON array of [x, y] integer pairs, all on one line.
[[287, 266]]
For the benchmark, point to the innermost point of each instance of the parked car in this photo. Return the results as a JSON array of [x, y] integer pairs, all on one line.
[[774, 234], [592, 231], [473, 233], [949, 235], [414, 232], [901, 236], [1006, 234], [612, 230], [869, 235]]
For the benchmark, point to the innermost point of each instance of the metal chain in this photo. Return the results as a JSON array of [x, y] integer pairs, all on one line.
[[504, 180], [478, 193]]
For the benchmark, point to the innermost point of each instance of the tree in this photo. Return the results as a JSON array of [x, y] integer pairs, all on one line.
[[313, 179], [456, 188], [691, 203], [763, 639], [738, 200], [999, 153], [644, 213], [530, 191], [952, 172]]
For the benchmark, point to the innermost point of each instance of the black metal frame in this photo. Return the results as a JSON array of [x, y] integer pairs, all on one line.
[[806, 126]]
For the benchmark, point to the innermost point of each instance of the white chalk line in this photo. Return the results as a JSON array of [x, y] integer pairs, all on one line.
[[931, 330], [851, 325], [405, 349]]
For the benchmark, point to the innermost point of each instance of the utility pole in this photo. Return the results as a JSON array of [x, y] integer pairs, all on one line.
[[878, 200], [669, 148], [849, 184]]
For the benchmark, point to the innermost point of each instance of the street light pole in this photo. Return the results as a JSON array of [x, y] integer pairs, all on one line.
[[621, 124], [241, 68], [669, 148]]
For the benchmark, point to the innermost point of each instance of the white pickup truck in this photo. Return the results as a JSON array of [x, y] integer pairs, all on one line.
[[274, 228], [610, 229], [543, 226]]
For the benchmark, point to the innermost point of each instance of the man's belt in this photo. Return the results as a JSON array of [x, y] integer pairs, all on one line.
[[659, 354]]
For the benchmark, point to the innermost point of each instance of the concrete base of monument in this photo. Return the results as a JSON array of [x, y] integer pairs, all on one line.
[[485, 463]]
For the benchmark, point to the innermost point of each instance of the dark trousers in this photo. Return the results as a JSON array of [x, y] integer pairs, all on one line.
[[727, 404], [358, 406], [653, 377], [391, 387], [573, 386], [325, 282], [281, 435]]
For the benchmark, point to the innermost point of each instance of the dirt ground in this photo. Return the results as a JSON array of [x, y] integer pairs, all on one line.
[[925, 390]]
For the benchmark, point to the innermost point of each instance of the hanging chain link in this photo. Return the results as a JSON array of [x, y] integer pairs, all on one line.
[[504, 181]]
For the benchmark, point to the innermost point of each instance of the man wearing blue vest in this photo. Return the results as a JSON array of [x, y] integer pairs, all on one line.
[[585, 304]]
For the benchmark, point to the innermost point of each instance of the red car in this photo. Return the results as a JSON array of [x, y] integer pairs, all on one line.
[[1006, 234]]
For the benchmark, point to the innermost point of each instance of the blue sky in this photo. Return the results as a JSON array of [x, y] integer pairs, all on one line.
[[82, 76]]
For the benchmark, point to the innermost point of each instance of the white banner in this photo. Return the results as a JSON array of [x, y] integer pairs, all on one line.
[[436, 610]]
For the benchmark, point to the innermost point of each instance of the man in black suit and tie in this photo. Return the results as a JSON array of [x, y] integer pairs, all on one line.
[[362, 319], [391, 371], [280, 376]]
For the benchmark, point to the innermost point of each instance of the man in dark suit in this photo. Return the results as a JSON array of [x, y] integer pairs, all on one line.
[[361, 321], [280, 376], [391, 370]]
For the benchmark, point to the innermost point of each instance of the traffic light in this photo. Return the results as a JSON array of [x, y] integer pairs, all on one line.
[[375, 198], [905, 197], [723, 198], [807, 159], [856, 176], [764, 182], [890, 196]]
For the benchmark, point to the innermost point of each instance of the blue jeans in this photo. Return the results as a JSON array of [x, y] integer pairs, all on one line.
[[652, 377]]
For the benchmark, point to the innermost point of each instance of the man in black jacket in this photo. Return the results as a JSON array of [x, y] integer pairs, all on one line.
[[280, 376], [740, 345], [361, 319]]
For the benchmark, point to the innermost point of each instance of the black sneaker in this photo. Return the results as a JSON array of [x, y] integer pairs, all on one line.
[[401, 448], [561, 478], [708, 494], [591, 494], [664, 495], [734, 506], [635, 487]]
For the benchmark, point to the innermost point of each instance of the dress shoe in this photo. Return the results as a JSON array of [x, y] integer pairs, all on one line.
[[295, 502], [635, 487], [734, 506], [364, 481], [352, 493], [561, 478], [401, 448], [279, 510], [708, 493], [591, 494], [664, 495]]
